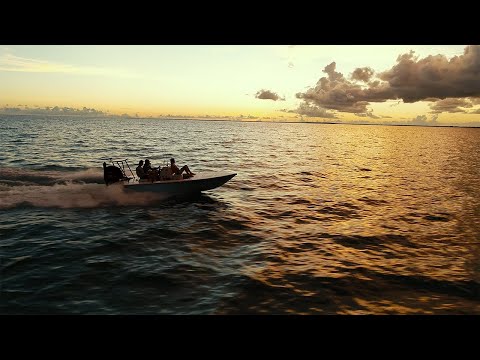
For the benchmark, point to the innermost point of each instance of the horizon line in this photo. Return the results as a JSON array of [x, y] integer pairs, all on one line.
[[242, 121]]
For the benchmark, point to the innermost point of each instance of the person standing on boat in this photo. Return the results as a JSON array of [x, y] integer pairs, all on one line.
[[177, 171]]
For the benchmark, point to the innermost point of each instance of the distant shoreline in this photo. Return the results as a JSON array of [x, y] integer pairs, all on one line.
[[241, 121]]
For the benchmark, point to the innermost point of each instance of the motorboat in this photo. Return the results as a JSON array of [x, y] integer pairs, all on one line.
[[120, 172]]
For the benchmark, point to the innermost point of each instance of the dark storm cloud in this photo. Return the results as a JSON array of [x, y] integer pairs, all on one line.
[[433, 78], [268, 95]]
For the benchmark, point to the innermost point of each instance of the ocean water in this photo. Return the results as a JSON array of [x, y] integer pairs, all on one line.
[[321, 219]]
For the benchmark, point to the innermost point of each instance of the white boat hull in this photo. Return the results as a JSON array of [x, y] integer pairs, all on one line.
[[199, 182]]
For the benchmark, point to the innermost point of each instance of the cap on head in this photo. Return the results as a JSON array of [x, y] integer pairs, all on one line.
[[172, 160]]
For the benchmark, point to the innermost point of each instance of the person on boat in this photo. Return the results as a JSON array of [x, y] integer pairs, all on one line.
[[149, 172], [140, 172], [177, 171], [147, 167]]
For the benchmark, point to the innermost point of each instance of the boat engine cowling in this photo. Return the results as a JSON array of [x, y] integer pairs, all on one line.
[[111, 174]]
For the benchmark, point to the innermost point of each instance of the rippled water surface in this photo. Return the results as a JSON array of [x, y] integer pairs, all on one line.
[[321, 219]]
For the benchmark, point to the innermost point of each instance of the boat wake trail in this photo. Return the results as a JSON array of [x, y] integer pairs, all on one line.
[[72, 196], [65, 189], [22, 176]]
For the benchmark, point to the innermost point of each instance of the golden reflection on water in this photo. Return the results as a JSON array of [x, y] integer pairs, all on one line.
[[373, 204]]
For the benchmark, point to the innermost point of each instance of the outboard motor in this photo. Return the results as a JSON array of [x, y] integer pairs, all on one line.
[[111, 174]]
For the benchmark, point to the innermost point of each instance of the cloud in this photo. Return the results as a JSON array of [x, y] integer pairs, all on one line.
[[337, 93], [51, 110], [332, 74], [423, 120], [312, 111], [12, 63], [362, 74], [450, 105], [420, 119], [475, 100], [368, 114], [411, 79], [268, 95]]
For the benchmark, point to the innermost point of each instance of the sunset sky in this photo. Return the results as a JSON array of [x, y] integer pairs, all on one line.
[[418, 84]]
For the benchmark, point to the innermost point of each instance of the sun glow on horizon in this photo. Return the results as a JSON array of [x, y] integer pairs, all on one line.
[[246, 82]]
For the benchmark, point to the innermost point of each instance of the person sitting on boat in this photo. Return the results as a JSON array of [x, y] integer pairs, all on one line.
[[147, 167], [177, 171], [140, 172], [149, 171]]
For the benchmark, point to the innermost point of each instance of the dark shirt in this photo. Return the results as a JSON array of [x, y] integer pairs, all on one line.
[[140, 172], [147, 168]]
